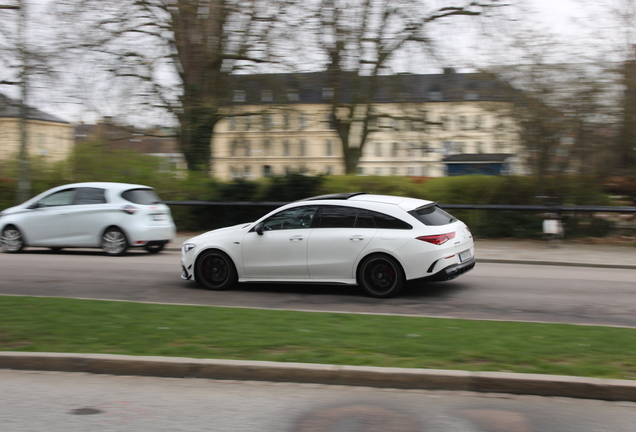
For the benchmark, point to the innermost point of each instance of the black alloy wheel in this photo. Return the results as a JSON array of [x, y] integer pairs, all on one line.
[[215, 271], [11, 239], [381, 276]]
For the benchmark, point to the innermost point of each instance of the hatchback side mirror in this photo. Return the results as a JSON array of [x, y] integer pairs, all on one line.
[[259, 228]]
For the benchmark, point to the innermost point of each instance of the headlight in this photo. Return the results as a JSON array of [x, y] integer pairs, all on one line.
[[187, 247]]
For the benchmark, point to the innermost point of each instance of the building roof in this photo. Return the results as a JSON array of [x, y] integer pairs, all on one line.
[[468, 158], [318, 87], [10, 108]]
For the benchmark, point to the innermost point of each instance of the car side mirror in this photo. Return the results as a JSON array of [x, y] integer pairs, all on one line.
[[259, 228], [34, 205]]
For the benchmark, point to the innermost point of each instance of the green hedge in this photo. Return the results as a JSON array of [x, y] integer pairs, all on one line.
[[95, 161]]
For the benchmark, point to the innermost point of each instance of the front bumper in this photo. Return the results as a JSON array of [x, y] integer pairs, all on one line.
[[185, 274]]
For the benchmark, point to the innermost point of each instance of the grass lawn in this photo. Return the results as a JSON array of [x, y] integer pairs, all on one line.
[[85, 326]]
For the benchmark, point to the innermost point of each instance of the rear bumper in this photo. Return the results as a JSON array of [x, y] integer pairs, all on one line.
[[450, 272]]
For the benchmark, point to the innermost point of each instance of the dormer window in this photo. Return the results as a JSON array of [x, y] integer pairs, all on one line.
[[239, 96], [267, 96], [435, 95], [293, 96], [327, 93]]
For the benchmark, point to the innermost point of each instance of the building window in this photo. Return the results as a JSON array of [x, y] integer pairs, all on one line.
[[232, 123], [329, 148], [423, 171], [394, 171], [410, 171], [285, 121], [285, 148], [444, 123], [458, 146], [378, 171], [378, 149], [471, 96], [301, 148], [247, 123], [327, 93], [411, 149], [239, 96], [499, 146], [331, 121], [302, 121], [267, 96], [267, 149], [233, 172], [293, 96], [425, 149], [233, 148], [247, 172], [267, 171], [479, 147], [395, 149], [462, 123], [247, 146], [266, 121], [329, 170], [479, 122]]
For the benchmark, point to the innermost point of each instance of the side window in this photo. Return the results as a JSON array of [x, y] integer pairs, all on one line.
[[90, 196], [385, 221], [293, 218], [337, 217], [364, 219], [61, 198]]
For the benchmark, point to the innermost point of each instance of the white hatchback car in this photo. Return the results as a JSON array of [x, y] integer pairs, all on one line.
[[376, 241], [113, 216]]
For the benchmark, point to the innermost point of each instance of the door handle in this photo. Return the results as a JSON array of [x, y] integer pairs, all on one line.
[[356, 237], [296, 238]]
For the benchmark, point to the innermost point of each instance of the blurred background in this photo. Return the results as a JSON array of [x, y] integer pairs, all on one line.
[[269, 101]]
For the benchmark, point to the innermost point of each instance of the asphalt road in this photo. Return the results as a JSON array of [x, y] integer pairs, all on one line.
[[61, 402], [491, 291]]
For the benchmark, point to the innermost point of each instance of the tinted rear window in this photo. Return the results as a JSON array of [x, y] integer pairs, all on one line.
[[432, 216], [141, 196]]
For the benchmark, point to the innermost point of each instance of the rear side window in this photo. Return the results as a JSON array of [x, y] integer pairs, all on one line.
[[141, 196], [432, 216], [90, 196], [385, 221]]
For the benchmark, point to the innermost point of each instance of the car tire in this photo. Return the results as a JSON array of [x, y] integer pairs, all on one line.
[[11, 239], [381, 276], [153, 249], [215, 271], [114, 242]]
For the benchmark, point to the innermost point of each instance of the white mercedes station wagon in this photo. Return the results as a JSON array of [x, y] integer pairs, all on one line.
[[376, 241], [111, 216]]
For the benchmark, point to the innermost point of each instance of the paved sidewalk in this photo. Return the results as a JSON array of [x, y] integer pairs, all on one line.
[[535, 252]]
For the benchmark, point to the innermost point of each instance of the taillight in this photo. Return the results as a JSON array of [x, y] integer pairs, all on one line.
[[130, 209], [437, 239]]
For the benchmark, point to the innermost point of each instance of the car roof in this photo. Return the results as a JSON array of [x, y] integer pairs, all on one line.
[[106, 185], [405, 203]]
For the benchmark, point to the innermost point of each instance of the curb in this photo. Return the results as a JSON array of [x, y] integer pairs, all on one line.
[[555, 263], [399, 378]]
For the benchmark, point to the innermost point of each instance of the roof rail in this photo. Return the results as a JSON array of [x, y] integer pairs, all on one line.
[[340, 196]]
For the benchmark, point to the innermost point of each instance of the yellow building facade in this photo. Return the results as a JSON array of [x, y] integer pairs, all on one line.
[[48, 137], [416, 133]]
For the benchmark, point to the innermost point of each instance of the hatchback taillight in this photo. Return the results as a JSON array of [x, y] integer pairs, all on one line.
[[437, 239]]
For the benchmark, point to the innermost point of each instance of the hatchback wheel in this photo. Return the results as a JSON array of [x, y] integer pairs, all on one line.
[[381, 276], [153, 249], [215, 270], [114, 242], [11, 239]]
